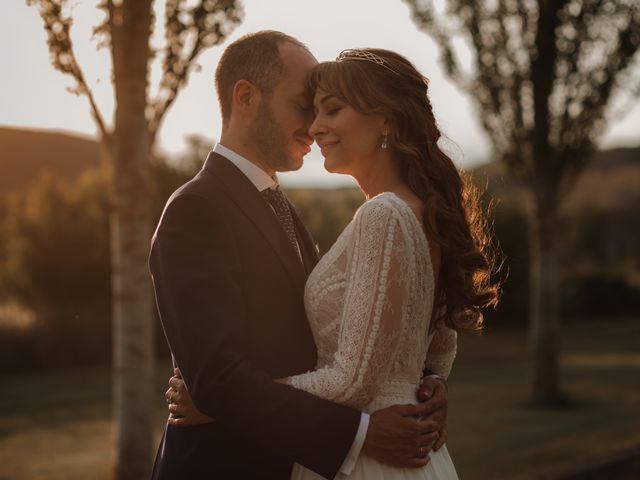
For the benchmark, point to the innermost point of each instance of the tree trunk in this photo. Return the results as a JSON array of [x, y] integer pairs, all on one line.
[[133, 356], [544, 281]]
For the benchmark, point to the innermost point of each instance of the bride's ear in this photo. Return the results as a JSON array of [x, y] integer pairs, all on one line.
[[385, 126]]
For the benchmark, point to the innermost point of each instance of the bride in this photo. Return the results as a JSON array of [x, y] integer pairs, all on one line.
[[411, 269]]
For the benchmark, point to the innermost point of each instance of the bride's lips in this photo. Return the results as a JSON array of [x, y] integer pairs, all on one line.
[[325, 146]]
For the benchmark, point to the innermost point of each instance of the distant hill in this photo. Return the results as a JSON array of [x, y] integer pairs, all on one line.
[[25, 154], [612, 177]]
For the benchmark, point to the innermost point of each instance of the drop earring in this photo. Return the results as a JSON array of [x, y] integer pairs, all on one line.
[[384, 140]]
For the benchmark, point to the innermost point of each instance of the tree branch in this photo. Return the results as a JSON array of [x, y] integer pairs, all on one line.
[[424, 16], [63, 58], [207, 24]]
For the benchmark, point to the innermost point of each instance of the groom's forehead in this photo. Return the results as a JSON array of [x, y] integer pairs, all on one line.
[[292, 84], [297, 61]]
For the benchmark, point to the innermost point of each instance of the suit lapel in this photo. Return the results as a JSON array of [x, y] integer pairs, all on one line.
[[245, 195]]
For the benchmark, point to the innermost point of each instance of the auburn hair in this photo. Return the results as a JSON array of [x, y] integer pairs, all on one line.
[[453, 215]]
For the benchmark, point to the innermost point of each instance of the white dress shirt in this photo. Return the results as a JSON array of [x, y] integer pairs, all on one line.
[[261, 180]]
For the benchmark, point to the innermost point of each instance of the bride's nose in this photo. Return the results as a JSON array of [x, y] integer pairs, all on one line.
[[316, 128]]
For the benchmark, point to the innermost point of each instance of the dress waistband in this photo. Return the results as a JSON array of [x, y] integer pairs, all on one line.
[[399, 389]]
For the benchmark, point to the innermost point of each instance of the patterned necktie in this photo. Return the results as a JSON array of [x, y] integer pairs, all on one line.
[[278, 202]]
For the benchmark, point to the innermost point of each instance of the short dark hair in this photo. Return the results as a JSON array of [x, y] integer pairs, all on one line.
[[254, 57]]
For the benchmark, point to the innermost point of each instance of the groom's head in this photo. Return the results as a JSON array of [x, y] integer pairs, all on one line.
[[260, 82]]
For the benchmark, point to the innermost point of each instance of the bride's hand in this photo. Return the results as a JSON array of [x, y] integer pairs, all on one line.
[[182, 411]]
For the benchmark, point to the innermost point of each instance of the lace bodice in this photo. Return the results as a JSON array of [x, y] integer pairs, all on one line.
[[369, 303]]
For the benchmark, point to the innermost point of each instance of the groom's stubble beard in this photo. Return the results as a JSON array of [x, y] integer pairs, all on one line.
[[271, 141]]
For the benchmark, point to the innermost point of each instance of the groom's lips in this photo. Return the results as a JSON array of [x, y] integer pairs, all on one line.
[[305, 145]]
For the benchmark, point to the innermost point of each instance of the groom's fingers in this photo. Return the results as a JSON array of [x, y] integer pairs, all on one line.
[[177, 410], [426, 424], [421, 409], [178, 422], [437, 401], [439, 416], [397, 436], [432, 386], [428, 441], [435, 406], [188, 421], [442, 439], [428, 427], [177, 384], [410, 410], [418, 462], [173, 396]]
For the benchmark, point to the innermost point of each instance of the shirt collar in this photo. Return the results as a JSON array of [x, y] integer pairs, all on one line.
[[260, 179]]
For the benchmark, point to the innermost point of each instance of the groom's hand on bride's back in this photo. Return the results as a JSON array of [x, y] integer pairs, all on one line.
[[401, 435], [434, 394], [182, 411]]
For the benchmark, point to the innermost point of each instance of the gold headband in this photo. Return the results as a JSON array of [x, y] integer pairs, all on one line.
[[362, 54]]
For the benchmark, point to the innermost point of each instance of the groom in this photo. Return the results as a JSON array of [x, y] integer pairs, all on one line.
[[229, 261]]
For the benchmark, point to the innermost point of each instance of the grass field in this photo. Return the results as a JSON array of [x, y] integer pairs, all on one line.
[[56, 426]]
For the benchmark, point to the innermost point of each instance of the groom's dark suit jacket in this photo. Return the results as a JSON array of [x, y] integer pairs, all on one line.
[[229, 288]]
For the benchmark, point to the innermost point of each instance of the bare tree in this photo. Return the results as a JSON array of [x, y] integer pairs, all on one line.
[[543, 74], [189, 29]]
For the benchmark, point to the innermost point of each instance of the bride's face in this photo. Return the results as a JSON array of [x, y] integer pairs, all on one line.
[[349, 140]]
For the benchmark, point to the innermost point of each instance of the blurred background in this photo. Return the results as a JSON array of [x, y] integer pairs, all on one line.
[[538, 102]]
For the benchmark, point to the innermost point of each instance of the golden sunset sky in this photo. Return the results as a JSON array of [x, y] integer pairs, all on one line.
[[33, 95]]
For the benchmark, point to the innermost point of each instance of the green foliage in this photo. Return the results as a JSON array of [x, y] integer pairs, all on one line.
[[58, 237], [326, 212], [4, 238], [57, 263], [542, 75], [599, 262], [601, 258], [165, 179], [55, 260], [191, 29], [511, 230], [597, 294]]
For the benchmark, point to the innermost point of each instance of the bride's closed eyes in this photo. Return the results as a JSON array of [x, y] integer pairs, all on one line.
[[330, 108], [329, 105]]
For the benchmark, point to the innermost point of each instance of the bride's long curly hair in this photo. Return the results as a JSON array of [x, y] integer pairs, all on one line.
[[453, 216]]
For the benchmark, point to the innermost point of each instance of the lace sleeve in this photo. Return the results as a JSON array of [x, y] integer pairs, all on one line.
[[376, 294], [442, 350]]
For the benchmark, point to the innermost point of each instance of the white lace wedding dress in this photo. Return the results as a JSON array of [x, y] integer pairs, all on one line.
[[369, 303]]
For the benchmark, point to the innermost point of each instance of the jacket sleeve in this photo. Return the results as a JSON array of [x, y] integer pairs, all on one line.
[[196, 271]]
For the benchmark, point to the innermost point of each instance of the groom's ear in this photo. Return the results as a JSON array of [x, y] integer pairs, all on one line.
[[246, 98]]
